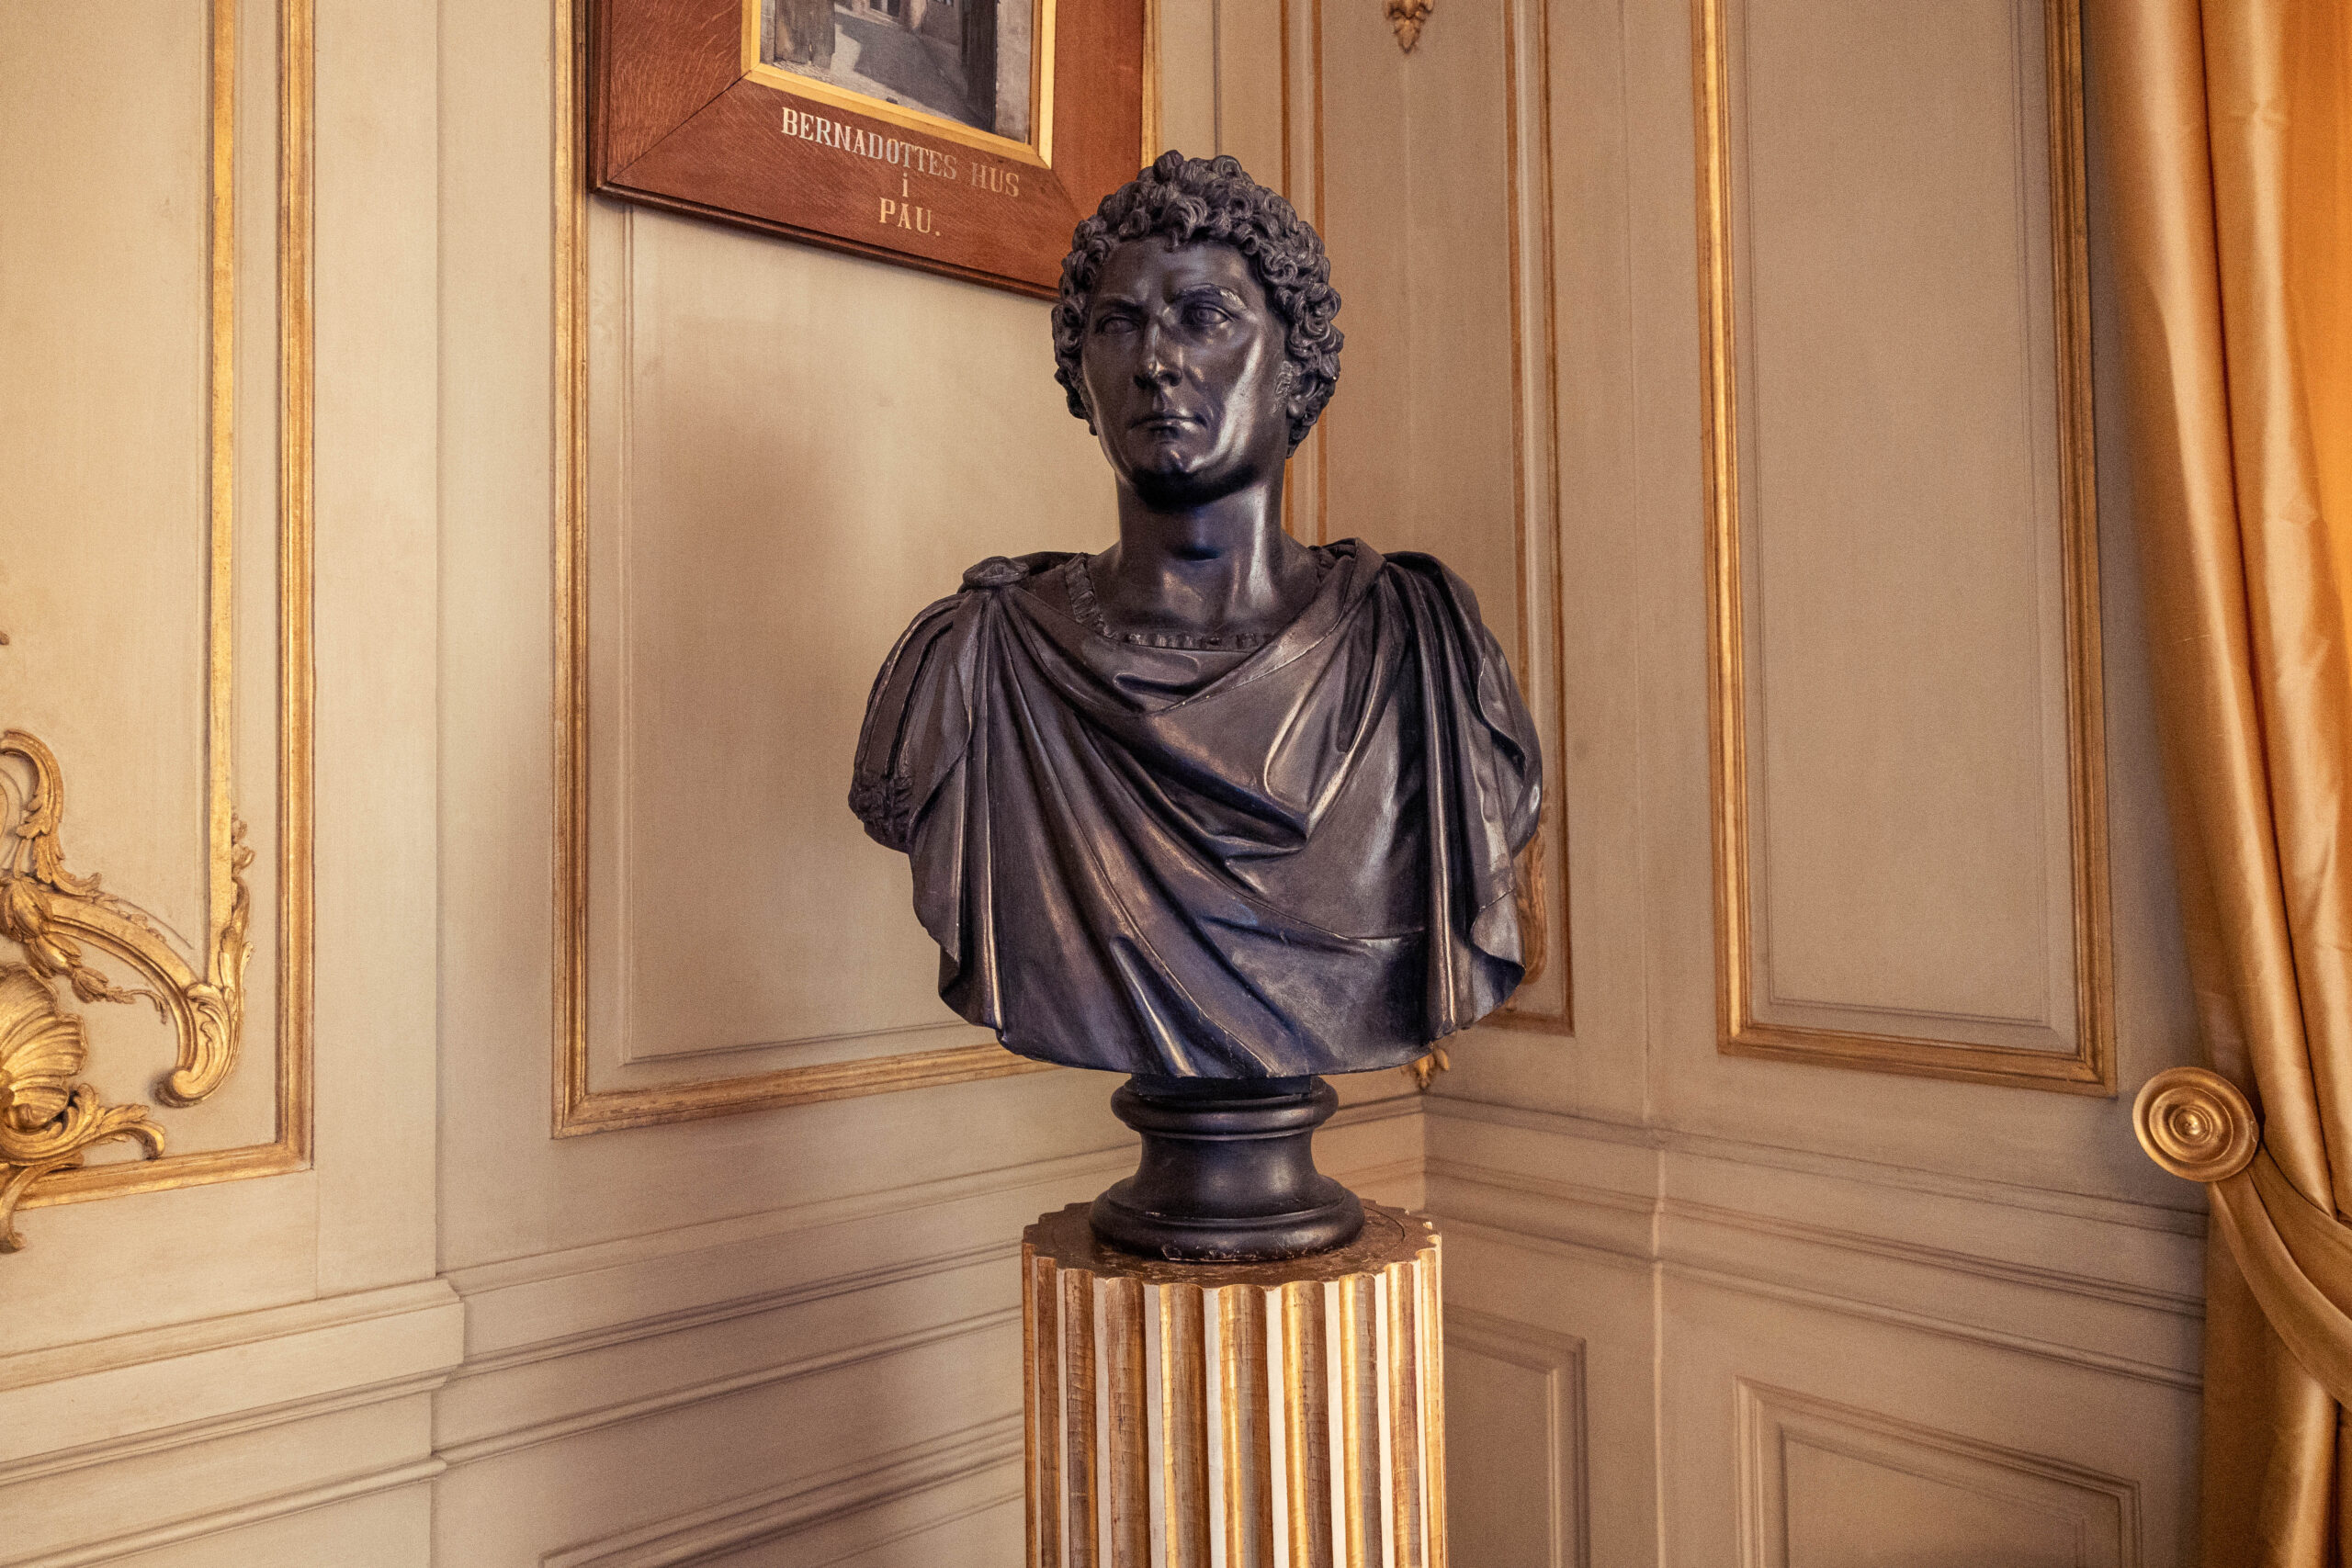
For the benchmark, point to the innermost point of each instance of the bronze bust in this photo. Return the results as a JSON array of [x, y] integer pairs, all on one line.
[[1212, 807]]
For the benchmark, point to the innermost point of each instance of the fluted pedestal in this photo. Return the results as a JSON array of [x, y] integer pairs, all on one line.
[[1261, 1414]]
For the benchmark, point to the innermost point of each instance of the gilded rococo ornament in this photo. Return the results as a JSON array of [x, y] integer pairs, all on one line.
[[47, 1120], [50, 913], [1406, 17], [54, 917]]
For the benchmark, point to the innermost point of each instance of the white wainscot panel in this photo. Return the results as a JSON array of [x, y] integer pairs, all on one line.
[[1515, 1496], [1829, 1485]]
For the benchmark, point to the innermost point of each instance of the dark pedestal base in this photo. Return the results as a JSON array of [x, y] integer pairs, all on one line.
[[1227, 1173]]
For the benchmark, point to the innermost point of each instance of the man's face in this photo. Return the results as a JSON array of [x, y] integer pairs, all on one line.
[[1182, 364]]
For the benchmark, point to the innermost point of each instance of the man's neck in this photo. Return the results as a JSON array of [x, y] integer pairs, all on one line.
[[1223, 567]]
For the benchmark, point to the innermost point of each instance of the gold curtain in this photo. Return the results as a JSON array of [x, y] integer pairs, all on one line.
[[2227, 131]]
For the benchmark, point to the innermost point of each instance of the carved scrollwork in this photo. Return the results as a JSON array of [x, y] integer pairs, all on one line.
[[52, 914], [47, 1120], [2196, 1123], [1406, 17], [1426, 1070]]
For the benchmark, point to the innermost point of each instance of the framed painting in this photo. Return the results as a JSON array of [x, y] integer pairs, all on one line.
[[967, 137]]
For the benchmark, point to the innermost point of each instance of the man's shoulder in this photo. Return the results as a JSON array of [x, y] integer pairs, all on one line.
[[1011, 571]]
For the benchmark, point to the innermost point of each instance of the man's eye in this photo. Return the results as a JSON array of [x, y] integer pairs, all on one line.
[[1206, 316], [1109, 325]]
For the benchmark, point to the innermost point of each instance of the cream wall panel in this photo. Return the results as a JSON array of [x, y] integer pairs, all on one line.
[[1188, 75], [2052, 1335], [513, 1191], [615, 1347], [919, 1510], [1829, 1485], [105, 319], [1463, 491], [978, 1527], [1431, 186], [1548, 1292], [1597, 773], [117, 1446], [235, 1247], [2107, 1460], [762, 527], [1520, 1392], [378, 468], [1359, 122], [675, 1467], [389, 1529], [1902, 495], [242, 1371], [105, 594], [1253, 71], [1642, 709], [781, 1337]]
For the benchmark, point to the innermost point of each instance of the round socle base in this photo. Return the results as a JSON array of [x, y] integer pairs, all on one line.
[[1227, 1173]]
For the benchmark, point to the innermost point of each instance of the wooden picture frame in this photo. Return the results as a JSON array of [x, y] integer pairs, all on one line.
[[689, 110]]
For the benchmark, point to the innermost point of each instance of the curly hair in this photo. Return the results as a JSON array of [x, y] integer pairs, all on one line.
[[1195, 200]]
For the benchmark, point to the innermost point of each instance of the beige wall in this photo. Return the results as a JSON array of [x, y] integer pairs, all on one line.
[[1774, 1312], [1706, 1309], [233, 1369]]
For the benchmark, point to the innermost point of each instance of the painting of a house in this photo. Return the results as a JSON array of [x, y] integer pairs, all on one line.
[[967, 60]]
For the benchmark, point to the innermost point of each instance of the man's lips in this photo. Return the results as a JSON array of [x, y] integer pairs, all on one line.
[[1165, 424]]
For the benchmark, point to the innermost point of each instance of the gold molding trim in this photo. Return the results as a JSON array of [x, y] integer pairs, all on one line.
[[45, 906], [2090, 1069], [1535, 501], [578, 1107], [1152, 145], [1536, 490], [1305, 477]]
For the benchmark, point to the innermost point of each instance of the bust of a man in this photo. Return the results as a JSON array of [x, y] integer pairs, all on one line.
[[1211, 804]]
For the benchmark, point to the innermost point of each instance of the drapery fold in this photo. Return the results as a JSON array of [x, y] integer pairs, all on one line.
[[2297, 1259], [1195, 862], [2225, 129]]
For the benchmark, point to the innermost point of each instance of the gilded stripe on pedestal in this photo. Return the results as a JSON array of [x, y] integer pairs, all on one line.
[[1185, 1400], [1040, 1348], [1127, 1457], [1308, 1418], [1405, 1410], [1359, 1457], [1078, 1425], [1247, 1435], [1431, 1274]]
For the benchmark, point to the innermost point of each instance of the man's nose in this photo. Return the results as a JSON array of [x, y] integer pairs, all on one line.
[[1157, 367]]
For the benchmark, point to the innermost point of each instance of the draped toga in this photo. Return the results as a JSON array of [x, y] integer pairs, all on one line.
[[1201, 856]]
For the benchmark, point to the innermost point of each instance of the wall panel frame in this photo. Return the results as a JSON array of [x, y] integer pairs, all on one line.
[[579, 1107], [2089, 1066], [204, 997]]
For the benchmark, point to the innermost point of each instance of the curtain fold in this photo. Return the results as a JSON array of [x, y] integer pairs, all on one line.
[[2228, 147]]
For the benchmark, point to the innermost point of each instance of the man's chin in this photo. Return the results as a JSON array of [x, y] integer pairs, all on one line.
[[1169, 465]]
